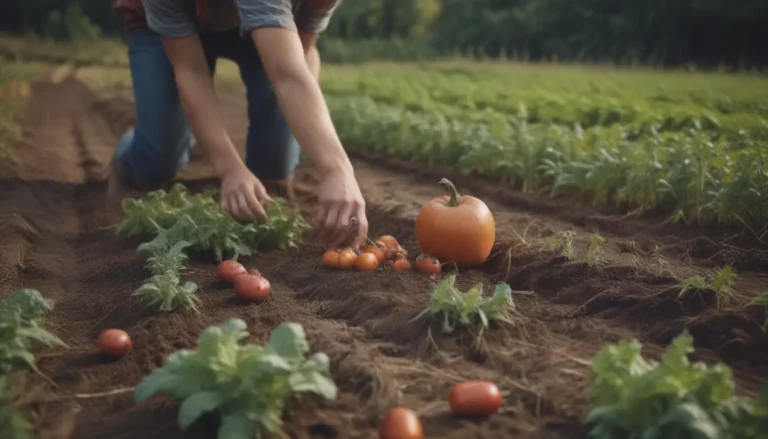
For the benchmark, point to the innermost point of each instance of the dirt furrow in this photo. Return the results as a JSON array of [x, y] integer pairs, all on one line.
[[380, 356]]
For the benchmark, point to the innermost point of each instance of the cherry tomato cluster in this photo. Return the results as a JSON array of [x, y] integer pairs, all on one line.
[[384, 253]]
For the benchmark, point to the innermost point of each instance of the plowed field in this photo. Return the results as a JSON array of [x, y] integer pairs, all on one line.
[[56, 237]]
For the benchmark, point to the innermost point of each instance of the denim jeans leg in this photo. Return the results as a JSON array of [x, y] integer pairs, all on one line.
[[272, 152], [158, 146]]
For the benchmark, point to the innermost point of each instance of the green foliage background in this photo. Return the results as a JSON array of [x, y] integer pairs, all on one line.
[[657, 32]]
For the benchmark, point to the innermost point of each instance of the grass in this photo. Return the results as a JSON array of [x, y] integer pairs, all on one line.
[[688, 144], [15, 90]]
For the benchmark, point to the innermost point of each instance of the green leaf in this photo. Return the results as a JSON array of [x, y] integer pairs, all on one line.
[[312, 377], [160, 381], [316, 383], [288, 341], [236, 426], [194, 407]]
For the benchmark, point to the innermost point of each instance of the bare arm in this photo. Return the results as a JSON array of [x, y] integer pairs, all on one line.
[[242, 194], [312, 55], [300, 97], [200, 103]]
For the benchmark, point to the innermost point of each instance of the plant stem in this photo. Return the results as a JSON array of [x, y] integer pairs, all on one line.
[[451, 188]]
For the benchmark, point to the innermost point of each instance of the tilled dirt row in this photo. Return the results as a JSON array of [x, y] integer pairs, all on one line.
[[55, 236]]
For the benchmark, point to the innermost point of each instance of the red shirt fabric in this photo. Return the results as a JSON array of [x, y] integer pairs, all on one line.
[[132, 12]]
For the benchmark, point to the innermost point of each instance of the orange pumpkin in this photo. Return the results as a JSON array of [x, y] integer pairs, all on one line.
[[456, 228]]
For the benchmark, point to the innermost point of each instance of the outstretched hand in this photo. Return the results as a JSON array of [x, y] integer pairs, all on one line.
[[342, 210], [243, 196]]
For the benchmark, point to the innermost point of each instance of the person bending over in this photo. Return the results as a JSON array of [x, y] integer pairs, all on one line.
[[274, 44]]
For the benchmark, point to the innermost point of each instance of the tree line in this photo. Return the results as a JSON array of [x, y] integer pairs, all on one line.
[[658, 32]]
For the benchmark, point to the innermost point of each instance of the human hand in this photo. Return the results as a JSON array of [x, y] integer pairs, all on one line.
[[243, 195], [342, 209]]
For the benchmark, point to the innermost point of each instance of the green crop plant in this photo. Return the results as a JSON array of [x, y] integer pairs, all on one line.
[[456, 308], [761, 300], [635, 398], [562, 244], [248, 386], [595, 250], [697, 175], [22, 317], [719, 282], [178, 223], [198, 220]]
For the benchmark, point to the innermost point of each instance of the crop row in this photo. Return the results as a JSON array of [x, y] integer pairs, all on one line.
[[566, 96], [14, 93], [693, 174]]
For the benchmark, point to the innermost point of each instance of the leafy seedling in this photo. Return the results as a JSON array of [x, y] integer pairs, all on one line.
[[249, 386], [464, 309], [720, 282], [635, 398]]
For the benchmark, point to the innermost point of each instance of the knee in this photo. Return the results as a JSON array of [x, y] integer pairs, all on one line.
[[274, 160], [158, 160]]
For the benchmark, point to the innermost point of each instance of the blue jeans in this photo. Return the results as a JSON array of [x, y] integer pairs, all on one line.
[[158, 146]]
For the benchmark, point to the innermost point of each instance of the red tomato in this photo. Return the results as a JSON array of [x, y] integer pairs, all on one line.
[[401, 265], [401, 423], [252, 288], [114, 343], [428, 265], [473, 398], [228, 270]]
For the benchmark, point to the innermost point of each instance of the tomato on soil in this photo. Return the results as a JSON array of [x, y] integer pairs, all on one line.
[[331, 258], [367, 262], [428, 265], [254, 272], [389, 245], [474, 398], [252, 288], [228, 270], [347, 259], [401, 265], [114, 343], [378, 250], [401, 423]]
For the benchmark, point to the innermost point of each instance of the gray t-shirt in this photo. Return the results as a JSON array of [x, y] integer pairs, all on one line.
[[176, 18]]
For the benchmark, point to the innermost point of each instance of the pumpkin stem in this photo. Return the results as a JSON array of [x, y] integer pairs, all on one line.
[[451, 188]]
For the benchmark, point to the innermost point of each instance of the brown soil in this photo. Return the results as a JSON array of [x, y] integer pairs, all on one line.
[[55, 237]]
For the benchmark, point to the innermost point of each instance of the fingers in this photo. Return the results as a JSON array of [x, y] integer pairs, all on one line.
[[254, 206], [341, 228], [245, 202], [362, 227], [331, 220]]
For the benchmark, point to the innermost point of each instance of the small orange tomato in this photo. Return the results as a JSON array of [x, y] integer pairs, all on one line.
[[367, 262], [428, 265], [331, 258], [401, 423], [389, 241], [401, 253], [475, 398], [401, 265], [114, 343], [347, 259], [379, 250]]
